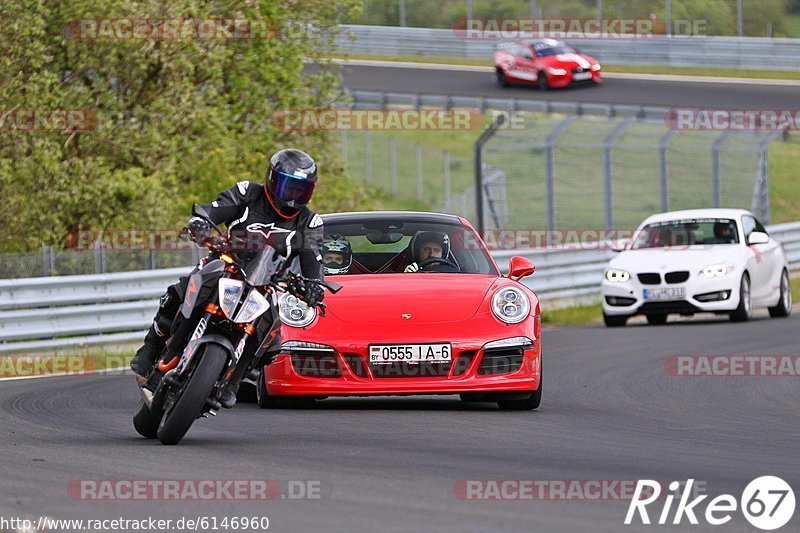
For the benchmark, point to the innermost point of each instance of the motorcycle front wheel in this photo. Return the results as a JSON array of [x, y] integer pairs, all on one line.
[[179, 418]]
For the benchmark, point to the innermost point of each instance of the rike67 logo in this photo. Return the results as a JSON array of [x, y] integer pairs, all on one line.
[[767, 503]]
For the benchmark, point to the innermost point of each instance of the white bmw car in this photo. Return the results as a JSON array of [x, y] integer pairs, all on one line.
[[704, 260]]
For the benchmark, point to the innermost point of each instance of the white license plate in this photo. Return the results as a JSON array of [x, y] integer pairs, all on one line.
[[580, 76], [385, 354], [670, 293]]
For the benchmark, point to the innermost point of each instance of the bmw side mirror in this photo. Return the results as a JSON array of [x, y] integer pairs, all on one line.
[[757, 237], [520, 267]]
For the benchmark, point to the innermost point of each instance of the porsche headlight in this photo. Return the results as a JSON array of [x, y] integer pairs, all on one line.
[[717, 271], [294, 312], [510, 305], [230, 290], [254, 305], [617, 276]]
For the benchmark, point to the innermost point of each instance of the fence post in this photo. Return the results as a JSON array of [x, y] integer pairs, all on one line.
[[447, 180], [48, 260], [487, 134], [608, 143], [716, 171], [368, 155], [418, 150], [393, 163], [99, 257], [549, 170], [663, 165]]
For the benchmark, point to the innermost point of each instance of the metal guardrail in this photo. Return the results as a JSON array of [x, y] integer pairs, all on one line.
[[730, 52], [71, 311]]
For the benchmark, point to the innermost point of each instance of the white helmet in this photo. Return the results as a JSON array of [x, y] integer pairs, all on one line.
[[337, 244]]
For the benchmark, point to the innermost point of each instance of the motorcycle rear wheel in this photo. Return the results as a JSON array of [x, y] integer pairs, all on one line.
[[177, 421]]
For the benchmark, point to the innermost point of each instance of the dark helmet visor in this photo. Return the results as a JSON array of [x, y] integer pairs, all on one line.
[[290, 188]]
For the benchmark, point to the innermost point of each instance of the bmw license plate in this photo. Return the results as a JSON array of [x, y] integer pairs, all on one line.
[[580, 76], [670, 293], [385, 354]]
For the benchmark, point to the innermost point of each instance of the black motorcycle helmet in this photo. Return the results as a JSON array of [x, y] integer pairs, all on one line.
[[291, 180]]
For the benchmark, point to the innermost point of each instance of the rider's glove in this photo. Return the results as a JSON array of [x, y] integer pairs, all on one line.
[[313, 294], [199, 230], [413, 267]]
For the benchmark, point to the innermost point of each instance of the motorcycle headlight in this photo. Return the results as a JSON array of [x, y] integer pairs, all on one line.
[[230, 290], [254, 305], [557, 71], [294, 312], [617, 276], [717, 271], [510, 305]]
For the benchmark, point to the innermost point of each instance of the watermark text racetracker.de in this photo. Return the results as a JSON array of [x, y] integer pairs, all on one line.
[[173, 29], [544, 489], [733, 119], [122, 490], [61, 120], [732, 365]]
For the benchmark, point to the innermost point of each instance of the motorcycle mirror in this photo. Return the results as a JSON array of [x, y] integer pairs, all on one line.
[[333, 287]]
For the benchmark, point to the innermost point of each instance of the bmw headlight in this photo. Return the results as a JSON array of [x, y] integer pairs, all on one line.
[[557, 71], [510, 305], [617, 276], [717, 271], [596, 67], [294, 312]]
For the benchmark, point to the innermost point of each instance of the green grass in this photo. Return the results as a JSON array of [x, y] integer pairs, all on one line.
[[793, 25], [784, 178], [622, 69], [579, 315]]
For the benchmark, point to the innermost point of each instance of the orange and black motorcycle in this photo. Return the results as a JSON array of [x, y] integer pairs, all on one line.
[[231, 317]]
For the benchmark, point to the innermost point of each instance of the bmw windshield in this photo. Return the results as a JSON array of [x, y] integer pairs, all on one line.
[[687, 233]]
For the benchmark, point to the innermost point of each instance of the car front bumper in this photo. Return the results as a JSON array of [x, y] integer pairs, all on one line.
[[346, 370], [627, 298]]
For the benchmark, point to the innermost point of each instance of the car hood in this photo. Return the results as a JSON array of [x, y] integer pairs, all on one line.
[[568, 61], [692, 258], [428, 297]]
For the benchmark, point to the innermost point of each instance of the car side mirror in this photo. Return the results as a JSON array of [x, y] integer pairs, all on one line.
[[520, 267], [757, 237]]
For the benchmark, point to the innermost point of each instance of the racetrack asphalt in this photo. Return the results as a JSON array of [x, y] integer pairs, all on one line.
[[610, 412], [662, 93]]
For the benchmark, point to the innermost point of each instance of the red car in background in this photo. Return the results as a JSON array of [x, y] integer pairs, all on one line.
[[546, 63], [455, 326]]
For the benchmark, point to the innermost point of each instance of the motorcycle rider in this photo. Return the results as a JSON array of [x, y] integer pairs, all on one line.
[[279, 203], [337, 254]]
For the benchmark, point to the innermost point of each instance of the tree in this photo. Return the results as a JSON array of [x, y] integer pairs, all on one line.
[[177, 120]]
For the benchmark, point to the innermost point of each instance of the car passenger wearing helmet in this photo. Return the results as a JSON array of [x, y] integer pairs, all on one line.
[[337, 254]]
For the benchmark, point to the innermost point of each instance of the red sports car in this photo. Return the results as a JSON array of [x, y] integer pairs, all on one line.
[[547, 63], [423, 310]]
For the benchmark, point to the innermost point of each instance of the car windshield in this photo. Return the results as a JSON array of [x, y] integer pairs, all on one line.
[[548, 48], [687, 233], [390, 244]]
